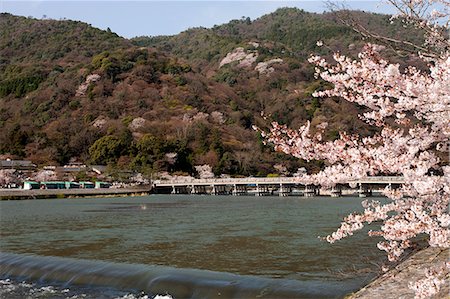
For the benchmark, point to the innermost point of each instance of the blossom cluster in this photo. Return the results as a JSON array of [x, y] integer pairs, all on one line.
[[408, 150], [45, 175], [430, 285], [92, 78], [245, 58], [265, 66], [8, 176], [204, 171]]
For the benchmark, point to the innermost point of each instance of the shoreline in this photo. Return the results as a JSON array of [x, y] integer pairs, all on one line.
[[20, 194], [394, 283]]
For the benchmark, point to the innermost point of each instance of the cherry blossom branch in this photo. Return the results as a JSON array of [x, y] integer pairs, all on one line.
[[419, 103]]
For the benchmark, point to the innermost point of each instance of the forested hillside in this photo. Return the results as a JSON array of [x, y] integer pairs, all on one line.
[[70, 91]]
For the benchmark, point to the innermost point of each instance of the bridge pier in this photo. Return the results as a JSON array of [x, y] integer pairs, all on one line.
[[218, 189], [198, 189], [262, 190], [316, 190], [309, 191], [179, 190], [389, 186], [336, 191], [239, 189], [284, 190], [364, 190]]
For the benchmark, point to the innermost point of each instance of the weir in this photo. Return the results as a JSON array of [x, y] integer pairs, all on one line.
[[179, 283]]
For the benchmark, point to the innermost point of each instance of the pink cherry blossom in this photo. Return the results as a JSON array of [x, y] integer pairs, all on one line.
[[391, 95]]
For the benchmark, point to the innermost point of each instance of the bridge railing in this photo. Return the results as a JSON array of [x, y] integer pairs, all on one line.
[[249, 180], [380, 179], [274, 180]]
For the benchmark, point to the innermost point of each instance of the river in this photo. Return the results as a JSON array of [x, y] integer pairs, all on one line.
[[262, 242]]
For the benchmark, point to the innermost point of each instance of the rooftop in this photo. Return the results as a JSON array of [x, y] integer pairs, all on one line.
[[17, 164]]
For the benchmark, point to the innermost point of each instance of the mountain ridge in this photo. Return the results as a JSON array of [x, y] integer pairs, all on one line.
[[79, 93]]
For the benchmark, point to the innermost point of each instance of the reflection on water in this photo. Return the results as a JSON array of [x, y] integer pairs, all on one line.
[[264, 236]]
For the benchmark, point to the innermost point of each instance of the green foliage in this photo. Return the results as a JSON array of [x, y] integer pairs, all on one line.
[[74, 105], [115, 63], [97, 60], [17, 139], [111, 67], [148, 41], [150, 154], [90, 92], [332, 134], [42, 119], [234, 106], [142, 104], [88, 118], [227, 76], [202, 134], [174, 68], [108, 149], [246, 120], [293, 65], [51, 40], [195, 101], [20, 86], [180, 80], [227, 164], [315, 104], [317, 85], [149, 149], [184, 156], [127, 120], [216, 143], [279, 84]]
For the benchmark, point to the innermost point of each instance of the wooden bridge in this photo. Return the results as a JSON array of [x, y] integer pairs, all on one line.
[[282, 186]]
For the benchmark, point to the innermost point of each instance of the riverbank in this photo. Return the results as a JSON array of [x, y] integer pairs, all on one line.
[[18, 194], [394, 283]]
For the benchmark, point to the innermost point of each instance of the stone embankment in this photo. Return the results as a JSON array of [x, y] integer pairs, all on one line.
[[13, 194], [394, 283]]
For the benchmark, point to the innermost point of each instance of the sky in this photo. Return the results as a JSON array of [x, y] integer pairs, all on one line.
[[150, 18]]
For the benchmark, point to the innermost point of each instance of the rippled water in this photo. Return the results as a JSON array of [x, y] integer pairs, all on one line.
[[262, 236]]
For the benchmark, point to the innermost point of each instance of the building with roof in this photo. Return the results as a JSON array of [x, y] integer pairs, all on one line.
[[17, 164]]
